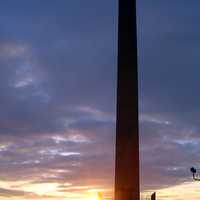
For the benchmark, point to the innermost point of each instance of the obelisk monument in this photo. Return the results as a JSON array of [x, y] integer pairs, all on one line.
[[127, 139]]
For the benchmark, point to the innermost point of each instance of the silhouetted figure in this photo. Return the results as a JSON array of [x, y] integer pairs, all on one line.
[[127, 144], [153, 196]]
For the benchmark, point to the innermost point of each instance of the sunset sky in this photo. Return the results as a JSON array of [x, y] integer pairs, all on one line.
[[57, 98]]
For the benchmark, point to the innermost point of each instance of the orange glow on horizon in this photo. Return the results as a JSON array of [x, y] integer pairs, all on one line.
[[97, 196], [50, 191]]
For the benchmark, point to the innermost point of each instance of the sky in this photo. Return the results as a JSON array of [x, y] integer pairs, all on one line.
[[57, 98], [169, 44]]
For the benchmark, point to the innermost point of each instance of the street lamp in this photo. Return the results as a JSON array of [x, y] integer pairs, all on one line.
[[194, 171]]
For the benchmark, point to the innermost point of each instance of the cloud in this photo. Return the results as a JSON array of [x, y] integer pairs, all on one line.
[[10, 50], [11, 193]]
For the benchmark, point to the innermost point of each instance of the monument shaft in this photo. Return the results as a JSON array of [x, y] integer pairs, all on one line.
[[127, 139]]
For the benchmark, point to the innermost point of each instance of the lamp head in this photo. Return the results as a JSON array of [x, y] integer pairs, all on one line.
[[193, 170]]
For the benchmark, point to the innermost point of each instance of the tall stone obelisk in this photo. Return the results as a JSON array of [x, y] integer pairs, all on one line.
[[127, 139]]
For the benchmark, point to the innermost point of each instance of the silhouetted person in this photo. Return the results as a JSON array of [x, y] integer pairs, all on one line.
[[153, 196]]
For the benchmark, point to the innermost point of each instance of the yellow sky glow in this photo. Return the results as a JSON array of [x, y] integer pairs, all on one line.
[[51, 191], [187, 190]]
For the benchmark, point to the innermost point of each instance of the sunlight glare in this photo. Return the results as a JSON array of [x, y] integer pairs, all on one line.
[[95, 197]]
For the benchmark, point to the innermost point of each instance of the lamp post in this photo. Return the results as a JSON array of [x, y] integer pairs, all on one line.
[[194, 172], [127, 139]]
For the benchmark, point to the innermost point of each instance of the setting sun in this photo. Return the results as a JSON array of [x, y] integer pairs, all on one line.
[[93, 198], [97, 196]]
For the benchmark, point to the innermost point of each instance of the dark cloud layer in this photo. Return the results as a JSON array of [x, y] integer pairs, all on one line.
[[57, 93]]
